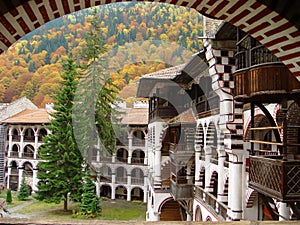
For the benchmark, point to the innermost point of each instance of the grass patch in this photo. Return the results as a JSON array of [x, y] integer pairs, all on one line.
[[111, 210]]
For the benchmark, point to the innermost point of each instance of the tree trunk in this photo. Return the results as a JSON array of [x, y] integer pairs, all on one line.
[[66, 202]]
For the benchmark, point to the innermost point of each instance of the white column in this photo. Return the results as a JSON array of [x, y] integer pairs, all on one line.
[[113, 158], [21, 143], [97, 183], [9, 141], [34, 180], [208, 156], [113, 186], [8, 177], [128, 193], [129, 148], [235, 186], [221, 180], [145, 195], [129, 179], [20, 177], [197, 164], [157, 167], [146, 150], [188, 217], [284, 211], [113, 191], [36, 140]]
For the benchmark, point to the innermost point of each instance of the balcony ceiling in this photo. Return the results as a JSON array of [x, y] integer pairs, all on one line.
[[288, 9]]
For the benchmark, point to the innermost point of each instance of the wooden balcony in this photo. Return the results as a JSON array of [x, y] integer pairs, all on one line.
[[264, 83], [181, 191], [163, 113], [181, 152], [274, 177]]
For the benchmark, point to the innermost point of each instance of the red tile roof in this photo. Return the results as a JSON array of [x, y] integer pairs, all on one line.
[[187, 116], [31, 116], [136, 116]]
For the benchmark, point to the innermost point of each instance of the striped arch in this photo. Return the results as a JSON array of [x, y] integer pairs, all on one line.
[[277, 33], [212, 136], [199, 137]]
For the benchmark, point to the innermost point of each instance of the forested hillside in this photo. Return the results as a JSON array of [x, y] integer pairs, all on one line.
[[140, 38]]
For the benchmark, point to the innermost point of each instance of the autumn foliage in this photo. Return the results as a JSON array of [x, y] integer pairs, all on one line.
[[163, 35]]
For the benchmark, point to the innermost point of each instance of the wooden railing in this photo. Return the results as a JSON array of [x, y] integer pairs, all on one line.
[[137, 181], [217, 208], [181, 191], [263, 80], [275, 177], [135, 160]]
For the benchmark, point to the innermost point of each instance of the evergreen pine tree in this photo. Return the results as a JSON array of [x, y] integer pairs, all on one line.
[[8, 196], [93, 112], [90, 204], [24, 191], [60, 172]]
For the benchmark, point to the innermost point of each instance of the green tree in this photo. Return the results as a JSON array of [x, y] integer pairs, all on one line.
[[60, 173], [94, 114], [8, 196], [90, 204], [24, 191]]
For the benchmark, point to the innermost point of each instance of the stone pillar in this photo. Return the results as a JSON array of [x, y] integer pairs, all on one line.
[[284, 211], [21, 169], [221, 181], [113, 158], [235, 186]]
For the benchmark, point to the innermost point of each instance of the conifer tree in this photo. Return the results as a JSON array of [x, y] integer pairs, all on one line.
[[8, 196], [90, 204], [93, 115], [23, 193], [60, 172]]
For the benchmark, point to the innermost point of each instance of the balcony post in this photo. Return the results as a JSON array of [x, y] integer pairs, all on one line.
[[221, 159]]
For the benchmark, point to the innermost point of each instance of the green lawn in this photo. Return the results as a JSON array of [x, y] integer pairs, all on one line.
[[111, 210]]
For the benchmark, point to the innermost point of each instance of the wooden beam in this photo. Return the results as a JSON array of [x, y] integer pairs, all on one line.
[[265, 128], [266, 142]]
